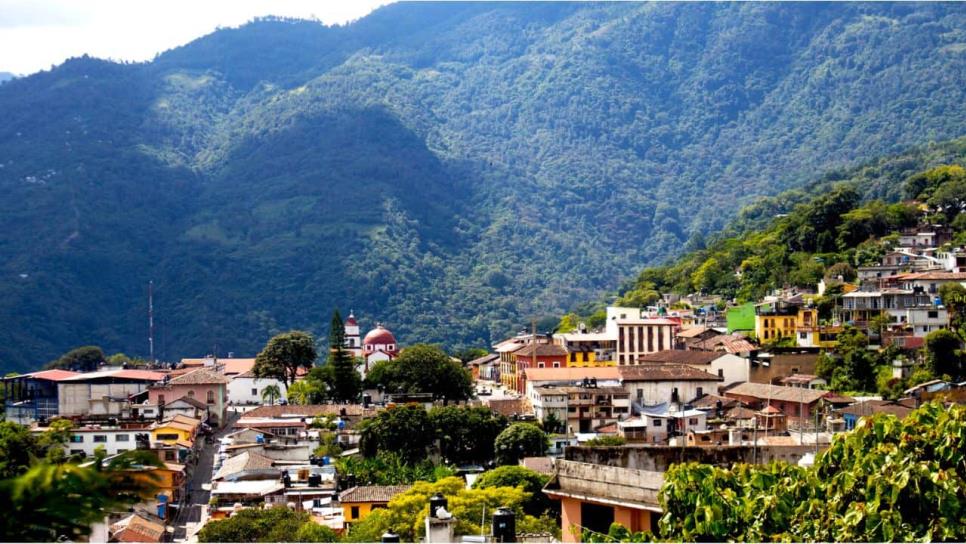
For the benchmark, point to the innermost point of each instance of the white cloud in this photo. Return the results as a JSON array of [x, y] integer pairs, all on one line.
[[35, 34]]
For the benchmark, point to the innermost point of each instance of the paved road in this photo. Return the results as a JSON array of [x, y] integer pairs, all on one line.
[[197, 497]]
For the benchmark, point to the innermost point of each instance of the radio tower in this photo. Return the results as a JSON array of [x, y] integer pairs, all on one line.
[[151, 321]]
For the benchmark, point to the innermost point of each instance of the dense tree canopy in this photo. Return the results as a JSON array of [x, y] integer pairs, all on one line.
[[278, 524], [422, 369], [285, 356], [518, 441]]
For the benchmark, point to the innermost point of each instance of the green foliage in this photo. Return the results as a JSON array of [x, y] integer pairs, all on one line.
[[341, 381], [20, 448], [405, 430], [953, 297], [303, 392], [886, 481], [422, 369], [518, 441], [286, 161], [616, 533], [606, 441], [466, 435], [553, 424], [278, 524], [53, 501], [530, 481], [389, 468], [407, 511], [285, 355], [328, 445], [944, 354], [271, 393], [82, 359]]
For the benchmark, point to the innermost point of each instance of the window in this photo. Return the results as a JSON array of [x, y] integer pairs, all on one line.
[[77, 439], [121, 450], [540, 364], [122, 438], [692, 421], [700, 392], [254, 392], [933, 314], [167, 436], [191, 393], [211, 397], [354, 513], [573, 357], [657, 422], [556, 365], [77, 452], [586, 357], [169, 455], [161, 399], [721, 373], [100, 438], [392, 347]]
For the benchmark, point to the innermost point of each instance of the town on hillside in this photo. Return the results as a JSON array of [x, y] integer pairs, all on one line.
[[605, 431]]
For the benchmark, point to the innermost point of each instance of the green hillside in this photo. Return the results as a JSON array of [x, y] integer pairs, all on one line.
[[449, 169]]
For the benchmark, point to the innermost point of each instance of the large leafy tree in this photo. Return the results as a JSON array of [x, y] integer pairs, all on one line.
[[62, 501], [423, 369], [405, 430], [278, 524], [518, 441], [285, 355], [887, 480], [943, 355], [516, 476], [466, 434], [83, 359]]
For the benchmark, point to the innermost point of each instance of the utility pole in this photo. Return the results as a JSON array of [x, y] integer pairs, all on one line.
[[151, 321]]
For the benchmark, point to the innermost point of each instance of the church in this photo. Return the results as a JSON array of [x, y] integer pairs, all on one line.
[[379, 344]]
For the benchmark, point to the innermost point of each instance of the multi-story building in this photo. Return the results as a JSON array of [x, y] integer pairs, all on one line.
[[104, 393], [653, 384], [588, 348], [203, 385], [536, 356], [34, 396], [636, 337], [589, 407]]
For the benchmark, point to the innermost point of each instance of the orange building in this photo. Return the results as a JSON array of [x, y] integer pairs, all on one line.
[[592, 497]]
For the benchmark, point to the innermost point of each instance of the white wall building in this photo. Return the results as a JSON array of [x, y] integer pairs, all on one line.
[[655, 384], [247, 389]]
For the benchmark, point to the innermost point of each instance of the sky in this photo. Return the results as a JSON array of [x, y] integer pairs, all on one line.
[[36, 34]]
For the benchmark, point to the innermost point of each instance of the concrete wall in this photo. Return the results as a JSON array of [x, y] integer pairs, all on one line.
[[660, 458], [657, 392], [240, 390], [782, 365], [78, 399]]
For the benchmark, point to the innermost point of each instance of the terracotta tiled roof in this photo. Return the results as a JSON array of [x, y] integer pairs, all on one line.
[[307, 410], [679, 356], [543, 350], [136, 528], [372, 493], [665, 373], [870, 407], [236, 366], [484, 359], [51, 375], [933, 276], [764, 391], [691, 332], [202, 376], [710, 401], [725, 342]]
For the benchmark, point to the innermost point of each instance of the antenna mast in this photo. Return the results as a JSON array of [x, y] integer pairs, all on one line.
[[151, 321]]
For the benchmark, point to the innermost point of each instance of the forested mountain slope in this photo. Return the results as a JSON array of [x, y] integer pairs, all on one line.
[[449, 169]]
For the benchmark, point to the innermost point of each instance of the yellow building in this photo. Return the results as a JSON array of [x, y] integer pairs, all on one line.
[[811, 334], [359, 501], [177, 429], [588, 349]]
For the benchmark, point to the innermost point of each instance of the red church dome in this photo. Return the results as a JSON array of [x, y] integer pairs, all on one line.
[[380, 336]]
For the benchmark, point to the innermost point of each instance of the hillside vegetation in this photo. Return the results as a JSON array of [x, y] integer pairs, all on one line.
[[451, 170]]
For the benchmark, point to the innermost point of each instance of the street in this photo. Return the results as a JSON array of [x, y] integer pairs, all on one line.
[[197, 496]]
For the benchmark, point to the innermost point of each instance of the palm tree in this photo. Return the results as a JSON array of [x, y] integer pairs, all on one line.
[[271, 392]]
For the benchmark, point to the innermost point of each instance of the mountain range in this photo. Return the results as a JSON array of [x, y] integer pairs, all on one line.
[[452, 170]]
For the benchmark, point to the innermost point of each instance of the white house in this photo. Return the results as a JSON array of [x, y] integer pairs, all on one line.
[[728, 366], [114, 440], [247, 389], [654, 384]]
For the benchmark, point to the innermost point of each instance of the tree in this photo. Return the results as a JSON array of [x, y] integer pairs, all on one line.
[[389, 468], [339, 373], [303, 392], [405, 430], [518, 441], [271, 392], [62, 501], [552, 424], [953, 296], [466, 434], [82, 359], [885, 481], [516, 476], [407, 511], [285, 355], [943, 355], [277, 524], [423, 369]]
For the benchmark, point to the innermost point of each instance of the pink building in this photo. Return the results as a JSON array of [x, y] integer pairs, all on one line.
[[203, 385]]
